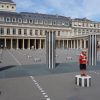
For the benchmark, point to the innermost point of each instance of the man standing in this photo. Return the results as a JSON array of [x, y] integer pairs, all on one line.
[[83, 62]]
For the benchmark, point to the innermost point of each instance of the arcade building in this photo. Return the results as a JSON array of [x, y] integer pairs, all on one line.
[[26, 30]]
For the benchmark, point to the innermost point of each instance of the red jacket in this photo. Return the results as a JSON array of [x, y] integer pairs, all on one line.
[[82, 59]]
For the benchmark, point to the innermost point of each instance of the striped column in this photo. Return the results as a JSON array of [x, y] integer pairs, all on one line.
[[50, 48], [92, 53]]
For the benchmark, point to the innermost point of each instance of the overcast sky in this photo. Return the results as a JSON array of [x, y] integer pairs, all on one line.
[[69, 8]]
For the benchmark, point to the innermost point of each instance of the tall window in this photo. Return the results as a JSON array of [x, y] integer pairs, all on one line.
[[36, 32], [1, 31], [58, 33], [19, 31], [25, 31], [8, 31], [14, 31], [41, 32], [30, 32]]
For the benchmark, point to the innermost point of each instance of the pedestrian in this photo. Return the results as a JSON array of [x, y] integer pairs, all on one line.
[[83, 63]]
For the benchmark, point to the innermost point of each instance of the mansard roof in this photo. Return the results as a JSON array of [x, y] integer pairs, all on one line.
[[44, 16], [9, 1], [26, 15]]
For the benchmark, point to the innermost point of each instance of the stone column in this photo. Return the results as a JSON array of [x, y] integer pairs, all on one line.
[[84, 43], [40, 43], [5, 43], [77, 44], [81, 44]]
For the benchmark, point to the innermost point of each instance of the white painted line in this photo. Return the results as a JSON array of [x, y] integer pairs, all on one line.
[[45, 96], [44, 93], [39, 87], [14, 57], [48, 99]]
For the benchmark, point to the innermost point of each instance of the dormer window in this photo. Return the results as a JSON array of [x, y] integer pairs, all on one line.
[[12, 7], [19, 20], [8, 19], [30, 21], [24, 20], [13, 19]]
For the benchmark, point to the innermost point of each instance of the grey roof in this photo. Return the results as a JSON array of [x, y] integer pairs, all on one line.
[[82, 19], [43, 16], [25, 15], [10, 1], [10, 14]]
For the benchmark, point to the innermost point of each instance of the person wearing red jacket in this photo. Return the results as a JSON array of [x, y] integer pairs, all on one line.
[[83, 63]]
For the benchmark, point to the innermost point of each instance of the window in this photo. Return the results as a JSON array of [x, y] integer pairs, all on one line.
[[58, 33], [87, 31], [2, 6], [14, 31], [1, 31], [87, 24], [19, 32], [24, 20], [7, 6], [30, 32], [79, 30], [90, 30], [30, 21], [25, 31], [83, 24], [36, 32], [7, 19], [19, 20], [66, 23], [41, 32], [45, 22], [13, 19], [8, 31], [12, 7]]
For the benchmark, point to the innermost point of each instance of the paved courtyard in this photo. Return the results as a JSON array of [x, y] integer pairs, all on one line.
[[32, 80]]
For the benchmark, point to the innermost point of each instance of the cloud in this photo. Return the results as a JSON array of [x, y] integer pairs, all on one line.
[[70, 8]]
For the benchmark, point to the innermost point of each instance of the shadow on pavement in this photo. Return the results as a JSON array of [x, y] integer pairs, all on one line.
[[7, 67]]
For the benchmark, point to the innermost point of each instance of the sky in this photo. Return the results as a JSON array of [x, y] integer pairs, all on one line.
[[69, 8]]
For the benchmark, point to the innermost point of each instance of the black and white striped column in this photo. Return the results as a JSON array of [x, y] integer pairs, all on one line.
[[50, 48], [92, 53], [83, 81]]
